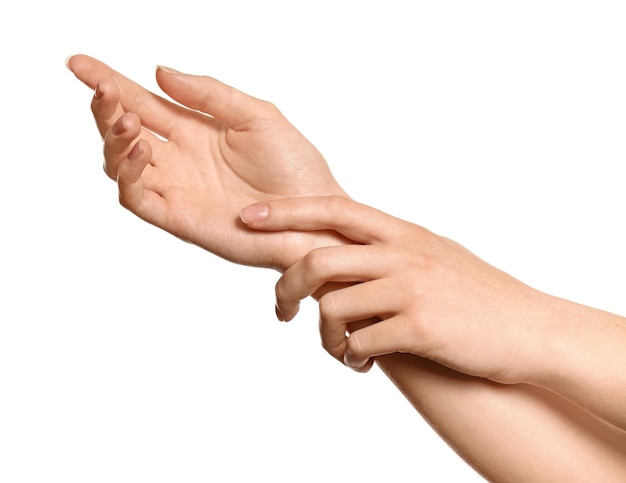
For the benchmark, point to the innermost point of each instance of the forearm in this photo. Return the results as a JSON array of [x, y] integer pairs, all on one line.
[[448, 305], [514, 432], [585, 360], [510, 432]]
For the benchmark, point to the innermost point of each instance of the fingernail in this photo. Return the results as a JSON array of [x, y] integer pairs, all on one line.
[[120, 126], [350, 361], [169, 70], [254, 213], [346, 357], [135, 151], [67, 61]]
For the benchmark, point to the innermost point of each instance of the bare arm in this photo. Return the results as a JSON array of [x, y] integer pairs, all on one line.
[[513, 365], [510, 432], [189, 168], [194, 186]]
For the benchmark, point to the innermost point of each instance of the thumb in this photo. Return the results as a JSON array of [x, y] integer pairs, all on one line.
[[208, 95]]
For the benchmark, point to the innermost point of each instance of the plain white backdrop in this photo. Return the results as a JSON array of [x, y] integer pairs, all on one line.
[[129, 356]]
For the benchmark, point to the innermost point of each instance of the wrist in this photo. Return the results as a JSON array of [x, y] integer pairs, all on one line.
[[557, 350], [532, 338]]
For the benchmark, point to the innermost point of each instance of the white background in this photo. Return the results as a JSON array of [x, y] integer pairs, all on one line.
[[128, 356]]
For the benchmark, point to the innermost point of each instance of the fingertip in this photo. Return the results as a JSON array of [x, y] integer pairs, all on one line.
[[120, 126], [136, 151], [355, 363], [127, 127], [77, 65], [168, 70], [287, 312], [137, 159], [72, 61], [365, 368], [254, 213], [141, 149], [129, 172]]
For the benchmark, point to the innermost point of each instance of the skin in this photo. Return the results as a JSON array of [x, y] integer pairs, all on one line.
[[191, 169], [225, 150], [437, 300]]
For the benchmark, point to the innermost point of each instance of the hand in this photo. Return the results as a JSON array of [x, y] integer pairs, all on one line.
[[433, 297], [190, 170]]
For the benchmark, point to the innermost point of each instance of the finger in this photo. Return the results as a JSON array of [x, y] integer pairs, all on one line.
[[206, 94], [105, 104], [341, 308], [119, 129], [348, 263], [133, 195], [353, 326], [396, 334], [367, 365], [356, 221], [119, 140], [157, 113]]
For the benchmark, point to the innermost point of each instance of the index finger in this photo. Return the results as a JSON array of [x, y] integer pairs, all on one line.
[[356, 221]]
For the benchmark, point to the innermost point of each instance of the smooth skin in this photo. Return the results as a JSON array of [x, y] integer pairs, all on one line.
[[190, 170], [436, 299], [433, 297], [227, 150], [548, 370]]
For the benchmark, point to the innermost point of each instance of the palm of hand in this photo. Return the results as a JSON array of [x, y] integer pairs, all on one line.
[[208, 172]]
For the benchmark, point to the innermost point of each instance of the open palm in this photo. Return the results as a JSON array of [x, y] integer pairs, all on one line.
[[204, 159]]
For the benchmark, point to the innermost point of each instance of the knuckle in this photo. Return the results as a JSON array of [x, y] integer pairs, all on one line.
[[315, 265], [416, 337], [124, 201], [334, 348], [410, 333], [204, 103], [336, 204], [328, 308], [332, 329], [269, 107]]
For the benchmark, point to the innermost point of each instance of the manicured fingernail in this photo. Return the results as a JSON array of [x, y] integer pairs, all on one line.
[[169, 70], [67, 61], [254, 213], [136, 151], [120, 126]]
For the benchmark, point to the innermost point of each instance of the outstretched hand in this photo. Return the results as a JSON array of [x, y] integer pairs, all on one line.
[[190, 168]]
